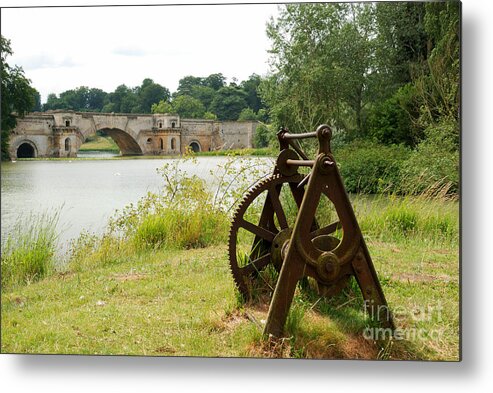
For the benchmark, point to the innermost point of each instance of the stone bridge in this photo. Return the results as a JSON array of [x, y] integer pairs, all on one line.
[[61, 133]]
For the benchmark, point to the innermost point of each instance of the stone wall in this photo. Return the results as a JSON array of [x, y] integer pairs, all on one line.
[[237, 134], [200, 132], [61, 133]]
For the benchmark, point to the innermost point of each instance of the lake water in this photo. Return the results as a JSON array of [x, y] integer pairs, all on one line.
[[87, 192]]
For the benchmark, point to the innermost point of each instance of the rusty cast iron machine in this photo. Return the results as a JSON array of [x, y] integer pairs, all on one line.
[[305, 249]]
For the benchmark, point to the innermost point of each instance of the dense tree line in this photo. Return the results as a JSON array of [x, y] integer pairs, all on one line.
[[196, 97], [123, 100]]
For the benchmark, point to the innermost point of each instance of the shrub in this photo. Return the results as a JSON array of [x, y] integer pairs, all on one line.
[[180, 228], [390, 121], [433, 167], [369, 167], [247, 114]]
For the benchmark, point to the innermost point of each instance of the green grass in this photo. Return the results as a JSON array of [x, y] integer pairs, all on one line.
[[99, 143], [28, 250], [181, 229], [117, 297], [183, 303], [266, 151], [402, 218], [154, 303]]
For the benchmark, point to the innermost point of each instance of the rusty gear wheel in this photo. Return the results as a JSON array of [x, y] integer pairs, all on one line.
[[269, 233]]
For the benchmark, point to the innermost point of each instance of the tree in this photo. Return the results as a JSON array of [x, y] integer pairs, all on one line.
[[186, 84], [228, 103], [261, 137], [203, 89], [250, 87], [188, 107], [304, 89], [52, 102], [130, 104], [204, 94], [75, 99], [215, 81], [37, 101], [18, 97], [151, 93], [96, 99], [389, 121], [117, 96], [247, 114], [401, 42], [162, 107], [109, 108], [184, 105], [438, 82]]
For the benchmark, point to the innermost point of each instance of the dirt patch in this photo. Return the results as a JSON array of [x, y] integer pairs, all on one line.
[[229, 322], [353, 347], [18, 301], [166, 350], [331, 343], [259, 307]]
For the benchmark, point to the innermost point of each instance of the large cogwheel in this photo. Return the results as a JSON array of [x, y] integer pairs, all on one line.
[[269, 232], [245, 267]]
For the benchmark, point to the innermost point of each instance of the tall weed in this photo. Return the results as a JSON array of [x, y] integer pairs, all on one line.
[[28, 251], [397, 218]]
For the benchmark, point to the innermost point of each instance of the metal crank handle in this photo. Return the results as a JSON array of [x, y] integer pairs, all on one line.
[[306, 135]]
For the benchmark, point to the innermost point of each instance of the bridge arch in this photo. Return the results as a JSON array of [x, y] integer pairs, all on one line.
[[26, 149], [195, 146], [126, 143]]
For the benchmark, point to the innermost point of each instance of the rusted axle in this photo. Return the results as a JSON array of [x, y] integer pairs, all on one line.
[[308, 163]]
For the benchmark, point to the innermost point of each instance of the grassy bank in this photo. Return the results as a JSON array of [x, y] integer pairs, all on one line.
[[102, 147], [266, 151], [99, 143], [158, 281], [129, 296]]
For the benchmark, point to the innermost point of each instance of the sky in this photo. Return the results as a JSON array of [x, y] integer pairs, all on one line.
[[64, 48]]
